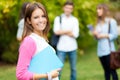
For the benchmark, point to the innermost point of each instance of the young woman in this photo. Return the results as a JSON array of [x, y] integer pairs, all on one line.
[[37, 59], [104, 36]]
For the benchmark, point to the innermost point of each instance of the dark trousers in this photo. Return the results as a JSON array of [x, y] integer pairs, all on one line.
[[105, 61]]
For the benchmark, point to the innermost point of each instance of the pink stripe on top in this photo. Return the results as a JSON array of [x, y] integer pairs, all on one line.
[[26, 51]]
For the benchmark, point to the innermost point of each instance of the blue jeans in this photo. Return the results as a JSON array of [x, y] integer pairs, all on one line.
[[72, 58]]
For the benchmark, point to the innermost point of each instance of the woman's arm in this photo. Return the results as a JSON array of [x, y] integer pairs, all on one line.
[[113, 30], [100, 36], [26, 51]]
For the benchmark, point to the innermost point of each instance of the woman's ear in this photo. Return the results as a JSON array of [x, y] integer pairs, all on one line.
[[28, 20]]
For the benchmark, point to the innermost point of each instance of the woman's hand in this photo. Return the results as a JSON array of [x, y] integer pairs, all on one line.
[[55, 73], [95, 33]]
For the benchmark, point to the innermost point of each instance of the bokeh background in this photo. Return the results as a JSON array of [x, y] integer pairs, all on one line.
[[84, 10]]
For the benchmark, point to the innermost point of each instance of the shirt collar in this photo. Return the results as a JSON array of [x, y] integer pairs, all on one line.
[[63, 15], [37, 36]]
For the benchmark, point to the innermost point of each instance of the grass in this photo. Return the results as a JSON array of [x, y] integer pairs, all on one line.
[[7, 72], [88, 68]]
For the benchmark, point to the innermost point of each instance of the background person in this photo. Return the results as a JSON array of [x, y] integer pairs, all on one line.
[[21, 21], [68, 31], [103, 37]]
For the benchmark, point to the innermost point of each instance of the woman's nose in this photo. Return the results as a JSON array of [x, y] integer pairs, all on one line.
[[42, 20]]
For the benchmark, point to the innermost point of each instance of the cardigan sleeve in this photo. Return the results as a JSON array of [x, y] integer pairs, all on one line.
[[26, 51]]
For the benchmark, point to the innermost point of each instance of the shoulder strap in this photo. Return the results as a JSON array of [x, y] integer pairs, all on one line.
[[109, 32], [60, 19], [109, 27]]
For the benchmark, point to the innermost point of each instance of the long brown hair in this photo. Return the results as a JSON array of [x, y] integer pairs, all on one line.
[[28, 28], [106, 12], [23, 8]]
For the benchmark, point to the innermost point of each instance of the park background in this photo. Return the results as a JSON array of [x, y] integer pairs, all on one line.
[[88, 66]]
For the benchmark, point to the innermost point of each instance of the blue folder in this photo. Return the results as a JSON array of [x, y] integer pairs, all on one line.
[[45, 61]]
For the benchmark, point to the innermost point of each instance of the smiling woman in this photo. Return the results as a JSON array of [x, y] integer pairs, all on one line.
[[35, 54], [38, 21], [34, 18]]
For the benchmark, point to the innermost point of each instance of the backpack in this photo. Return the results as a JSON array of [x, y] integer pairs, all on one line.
[[55, 38]]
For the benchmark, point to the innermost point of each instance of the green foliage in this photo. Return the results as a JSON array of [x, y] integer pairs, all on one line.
[[85, 11], [8, 27], [115, 5]]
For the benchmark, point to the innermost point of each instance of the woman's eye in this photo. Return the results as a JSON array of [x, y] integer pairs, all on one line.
[[43, 16], [35, 17]]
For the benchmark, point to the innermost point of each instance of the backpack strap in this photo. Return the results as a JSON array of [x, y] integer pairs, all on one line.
[[60, 19]]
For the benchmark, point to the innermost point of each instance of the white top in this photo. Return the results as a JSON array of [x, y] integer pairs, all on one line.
[[118, 28], [20, 28], [67, 43]]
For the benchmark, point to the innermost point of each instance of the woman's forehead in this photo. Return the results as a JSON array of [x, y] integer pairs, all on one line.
[[99, 7]]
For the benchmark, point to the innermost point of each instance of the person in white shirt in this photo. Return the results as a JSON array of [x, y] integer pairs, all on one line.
[[21, 21], [68, 30]]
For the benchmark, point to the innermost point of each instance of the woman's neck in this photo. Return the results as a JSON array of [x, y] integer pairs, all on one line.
[[38, 33]]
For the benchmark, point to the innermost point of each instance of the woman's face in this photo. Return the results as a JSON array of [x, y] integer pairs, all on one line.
[[38, 21], [100, 11]]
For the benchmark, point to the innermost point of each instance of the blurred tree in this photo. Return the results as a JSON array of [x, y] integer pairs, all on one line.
[[85, 11], [8, 17]]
